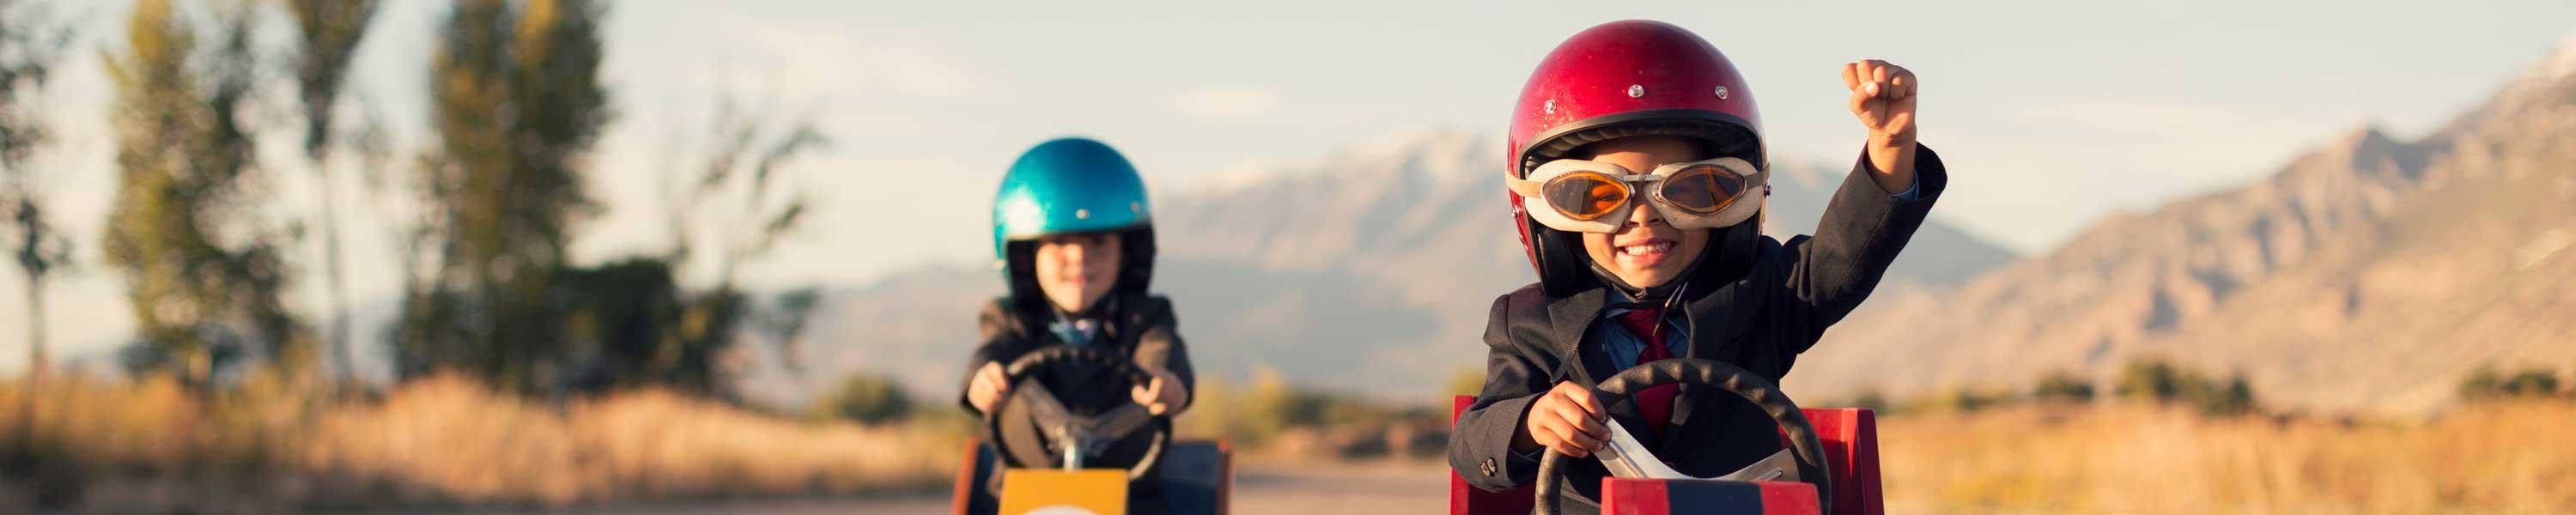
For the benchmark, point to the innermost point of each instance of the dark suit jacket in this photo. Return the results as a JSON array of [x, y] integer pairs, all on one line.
[[1142, 328], [1778, 308]]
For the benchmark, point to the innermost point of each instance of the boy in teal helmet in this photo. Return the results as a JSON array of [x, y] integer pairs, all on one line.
[[1075, 240]]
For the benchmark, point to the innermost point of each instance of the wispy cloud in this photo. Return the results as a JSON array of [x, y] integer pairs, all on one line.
[[1223, 101], [814, 60]]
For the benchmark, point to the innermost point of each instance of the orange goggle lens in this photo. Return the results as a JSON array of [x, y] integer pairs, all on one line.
[[1586, 195], [1701, 189]]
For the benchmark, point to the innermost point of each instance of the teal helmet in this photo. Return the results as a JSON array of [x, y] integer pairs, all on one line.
[[1071, 186]]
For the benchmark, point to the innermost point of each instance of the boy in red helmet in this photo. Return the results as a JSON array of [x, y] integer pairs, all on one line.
[[1638, 172]]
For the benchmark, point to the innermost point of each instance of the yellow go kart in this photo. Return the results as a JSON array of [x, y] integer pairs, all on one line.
[[1056, 475]]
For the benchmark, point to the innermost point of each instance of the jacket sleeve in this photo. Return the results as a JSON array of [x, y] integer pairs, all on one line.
[[1480, 444], [1160, 347], [1002, 341], [1860, 235]]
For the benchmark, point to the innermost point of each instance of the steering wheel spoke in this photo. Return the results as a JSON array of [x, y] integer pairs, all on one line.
[[1043, 406], [1121, 420]]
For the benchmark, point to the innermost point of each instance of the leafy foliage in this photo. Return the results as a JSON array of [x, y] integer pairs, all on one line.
[[2490, 384], [203, 272], [31, 44], [516, 101]]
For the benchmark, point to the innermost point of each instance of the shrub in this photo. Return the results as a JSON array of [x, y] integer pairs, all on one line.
[[2490, 384], [1965, 399], [2150, 379], [2159, 381], [2063, 386], [865, 398], [1875, 400], [2532, 383], [2236, 399]]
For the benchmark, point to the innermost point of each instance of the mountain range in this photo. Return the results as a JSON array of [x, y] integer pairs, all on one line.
[[1368, 271], [2365, 276]]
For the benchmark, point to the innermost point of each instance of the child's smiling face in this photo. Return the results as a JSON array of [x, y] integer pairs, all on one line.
[[1076, 270], [1647, 251]]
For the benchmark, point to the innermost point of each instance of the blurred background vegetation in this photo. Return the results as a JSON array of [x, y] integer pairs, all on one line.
[[229, 396]]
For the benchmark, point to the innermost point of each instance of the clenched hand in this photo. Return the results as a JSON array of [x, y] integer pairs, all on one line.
[[1883, 97]]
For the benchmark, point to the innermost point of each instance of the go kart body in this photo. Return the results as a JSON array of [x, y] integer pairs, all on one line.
[[1053, 475], [1197, 478], [1835, 447]]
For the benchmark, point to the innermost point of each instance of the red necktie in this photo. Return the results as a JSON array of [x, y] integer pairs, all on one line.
[[1656, 403]]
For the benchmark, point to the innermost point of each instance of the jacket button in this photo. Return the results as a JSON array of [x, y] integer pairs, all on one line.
[[1487, 467]]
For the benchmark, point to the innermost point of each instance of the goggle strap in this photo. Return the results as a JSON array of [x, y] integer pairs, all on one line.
[[1525, 187]]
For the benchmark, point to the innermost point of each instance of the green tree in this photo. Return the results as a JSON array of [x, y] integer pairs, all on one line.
[[784, 322], [516, 103], [201, 272], [31, 43], [329, 32], [737, 193], [681, 335], [743, 167]]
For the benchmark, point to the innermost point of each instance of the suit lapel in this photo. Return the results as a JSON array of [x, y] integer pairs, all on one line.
[[1571, 319], [1568, 317], [1717, 322]]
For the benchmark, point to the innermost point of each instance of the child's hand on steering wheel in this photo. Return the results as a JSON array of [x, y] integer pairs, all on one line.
[[1163, 395], [1566, 419], [987, 387]]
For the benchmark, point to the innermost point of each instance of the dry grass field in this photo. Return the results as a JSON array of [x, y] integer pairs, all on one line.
[[436, 441], [152, 446], [2491, 458]]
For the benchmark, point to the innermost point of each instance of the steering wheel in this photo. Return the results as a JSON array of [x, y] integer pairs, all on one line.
[[1070, 437], [1802, 436]]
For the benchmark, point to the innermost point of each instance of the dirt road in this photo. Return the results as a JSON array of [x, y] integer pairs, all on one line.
[[1258, 490]]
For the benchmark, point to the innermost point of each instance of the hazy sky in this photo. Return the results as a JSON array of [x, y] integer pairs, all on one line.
[[2051, 114]]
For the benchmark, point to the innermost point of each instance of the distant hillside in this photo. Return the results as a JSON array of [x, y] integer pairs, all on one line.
[[2365, 276]]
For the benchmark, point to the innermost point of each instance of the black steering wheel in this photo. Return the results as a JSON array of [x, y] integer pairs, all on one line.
[[1802, 436], [1065, 432]]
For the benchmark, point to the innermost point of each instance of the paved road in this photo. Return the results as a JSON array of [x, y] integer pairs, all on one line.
[[1264, 490]]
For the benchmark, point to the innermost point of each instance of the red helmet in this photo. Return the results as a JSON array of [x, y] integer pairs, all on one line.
[[1621, 79]]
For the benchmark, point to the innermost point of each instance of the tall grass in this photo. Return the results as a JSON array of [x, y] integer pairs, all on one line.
[[2489, 458], [440, 440]]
